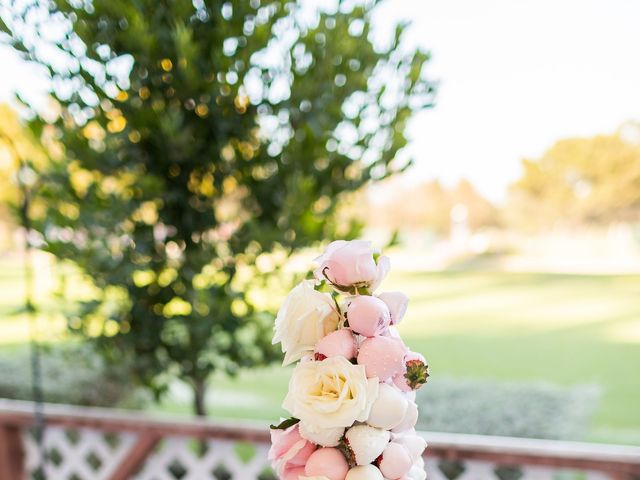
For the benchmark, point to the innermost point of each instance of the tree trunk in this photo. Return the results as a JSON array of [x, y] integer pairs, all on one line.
[[200, 407], [199, 401]]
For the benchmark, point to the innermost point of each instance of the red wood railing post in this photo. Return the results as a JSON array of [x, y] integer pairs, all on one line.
[[11, 453], [131, 463]]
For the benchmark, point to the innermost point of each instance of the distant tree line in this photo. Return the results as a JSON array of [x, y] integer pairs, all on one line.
[[591, 181], [429, 206], [580, 181]]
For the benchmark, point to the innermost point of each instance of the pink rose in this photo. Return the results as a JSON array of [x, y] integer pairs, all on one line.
[[349, 265], [288, 450]]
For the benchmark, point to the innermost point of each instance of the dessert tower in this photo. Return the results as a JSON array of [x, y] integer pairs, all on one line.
[[352, 392]]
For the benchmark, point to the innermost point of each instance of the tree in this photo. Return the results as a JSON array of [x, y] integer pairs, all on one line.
[[592, 180], [20, 156], [481, 213], [202, 142], [426, 206]]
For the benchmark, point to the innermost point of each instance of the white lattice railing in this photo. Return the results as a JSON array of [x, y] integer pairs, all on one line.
[[99, 444]]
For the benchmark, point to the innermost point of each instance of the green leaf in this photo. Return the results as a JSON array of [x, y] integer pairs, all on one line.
[[289, 422]]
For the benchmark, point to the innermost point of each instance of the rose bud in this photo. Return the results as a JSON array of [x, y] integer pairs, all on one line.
[[389, 408], [349, 266], [397, 303], [368, 316], [364, 472], [414, 374], [382, 357], [339, 343], [327, 462], [413, 442], [409, 420], [395, 461], [366, 443]]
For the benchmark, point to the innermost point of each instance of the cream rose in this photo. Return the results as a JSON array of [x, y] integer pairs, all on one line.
[[305, 317], [331, 393]]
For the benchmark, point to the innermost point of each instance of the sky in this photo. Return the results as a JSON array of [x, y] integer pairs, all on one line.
[[517, 75], [514, 76]]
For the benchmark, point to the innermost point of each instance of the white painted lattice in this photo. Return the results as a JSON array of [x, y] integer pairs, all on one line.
[[91, 454], [179, 457], [475, 470], [86, 454], [77, 454]]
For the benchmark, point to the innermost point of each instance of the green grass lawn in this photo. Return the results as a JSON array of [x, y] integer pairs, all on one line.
[[559, 328], [564, 329]]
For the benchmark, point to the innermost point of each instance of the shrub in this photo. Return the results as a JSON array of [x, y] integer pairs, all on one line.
[[537, 410], [72, 374]]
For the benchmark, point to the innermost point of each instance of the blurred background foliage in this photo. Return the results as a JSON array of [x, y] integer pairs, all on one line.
[[73, 373], [192, 147], [21, 154], [190, 151], [576, 183], [580, 181]]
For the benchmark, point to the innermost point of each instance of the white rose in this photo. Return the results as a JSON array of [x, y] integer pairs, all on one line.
[[327, 437], [304, 318], [331, 393]]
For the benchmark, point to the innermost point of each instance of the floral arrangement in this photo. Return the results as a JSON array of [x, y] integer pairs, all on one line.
[[352, 393]]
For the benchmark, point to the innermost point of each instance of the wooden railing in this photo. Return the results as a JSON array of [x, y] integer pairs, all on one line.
[[96, 444]]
